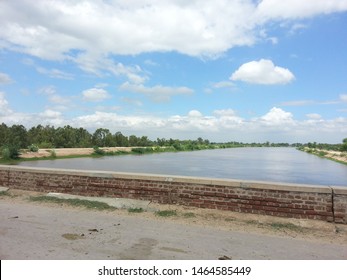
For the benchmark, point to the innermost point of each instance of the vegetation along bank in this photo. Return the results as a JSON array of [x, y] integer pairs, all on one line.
[[40, 142]]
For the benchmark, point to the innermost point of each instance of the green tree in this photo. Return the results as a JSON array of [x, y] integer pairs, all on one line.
[[133, 141], [4, 135], [344, 145], [120, 140], [102, 137], [18, 136]]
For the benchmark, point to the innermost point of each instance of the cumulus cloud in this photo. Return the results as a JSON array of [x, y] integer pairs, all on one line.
[[156, 93], [88, 30], [95, 94], [224, 125], [296, 9], [5, 79], [262, 72], [277, 116], [51, 114]]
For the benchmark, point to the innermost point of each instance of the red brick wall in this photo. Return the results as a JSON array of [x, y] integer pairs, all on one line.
[[340, 204], [284, 200]]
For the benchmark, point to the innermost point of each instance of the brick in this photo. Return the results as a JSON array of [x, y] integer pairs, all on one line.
[[298, 204]]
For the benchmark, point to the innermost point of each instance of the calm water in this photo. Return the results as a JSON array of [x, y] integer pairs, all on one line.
[[264, 164]]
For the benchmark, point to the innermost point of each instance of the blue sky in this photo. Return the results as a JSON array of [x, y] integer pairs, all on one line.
[[249, 71]]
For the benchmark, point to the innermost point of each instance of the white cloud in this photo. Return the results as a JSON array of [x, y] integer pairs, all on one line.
[[275, 126], [277, 116], [224, 112], [51, 114], [5, 79], [132, 101], [343, 97], [157, 93], [297, 27], [95, 94], [51, 93], [314, 116], [54, 73], [295, 9], [223, 84], [4, 107], [298, 103], [262, 72], [194, 114], [57, 30], [97, 63]]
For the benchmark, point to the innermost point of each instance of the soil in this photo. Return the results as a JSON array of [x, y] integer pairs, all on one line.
[[61, 152], [256, 236]]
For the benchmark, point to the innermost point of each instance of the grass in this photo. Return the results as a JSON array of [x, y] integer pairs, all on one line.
[[4, 193], [276, 226], [288, 226], [166, 213], [73, 202], [135, 210], [189, 215]]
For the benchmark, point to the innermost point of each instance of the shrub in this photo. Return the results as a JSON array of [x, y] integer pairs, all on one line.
[[53, 154], [33, 148], [322, 154], [98, 151], [142, 150], [10, 152]]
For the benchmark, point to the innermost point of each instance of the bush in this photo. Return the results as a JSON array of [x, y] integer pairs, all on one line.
[[33, 148], [53, 154], [98, 151], [10, 152], [142, 150]]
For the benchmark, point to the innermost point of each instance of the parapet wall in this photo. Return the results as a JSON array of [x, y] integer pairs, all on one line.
[[276, 199]]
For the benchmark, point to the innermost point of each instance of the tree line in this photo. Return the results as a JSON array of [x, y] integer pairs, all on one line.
[[16, 137], [70, 137]]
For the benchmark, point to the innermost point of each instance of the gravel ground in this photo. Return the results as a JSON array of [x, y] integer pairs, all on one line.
[[32, 230]]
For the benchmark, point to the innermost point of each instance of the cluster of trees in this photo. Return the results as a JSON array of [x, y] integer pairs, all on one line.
[[66, 137], [70, 137], [16, 137], [330, 147]]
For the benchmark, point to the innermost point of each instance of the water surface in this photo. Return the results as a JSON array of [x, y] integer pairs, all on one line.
[[263, 164]]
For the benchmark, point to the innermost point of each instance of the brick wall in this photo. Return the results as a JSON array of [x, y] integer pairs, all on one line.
[[276, 199], [340, 204]]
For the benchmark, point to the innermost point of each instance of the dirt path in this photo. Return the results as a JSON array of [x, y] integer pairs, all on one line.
[[31, 230]]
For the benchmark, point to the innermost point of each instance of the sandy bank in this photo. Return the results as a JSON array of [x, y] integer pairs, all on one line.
[[61, 152]]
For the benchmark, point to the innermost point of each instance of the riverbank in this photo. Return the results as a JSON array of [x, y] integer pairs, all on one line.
[[66, 152], [337, 156]]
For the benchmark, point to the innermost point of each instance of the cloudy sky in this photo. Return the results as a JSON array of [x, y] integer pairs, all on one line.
[[225, 70]]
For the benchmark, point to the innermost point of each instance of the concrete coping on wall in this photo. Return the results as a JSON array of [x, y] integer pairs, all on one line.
[[339, 190], [186, 179]]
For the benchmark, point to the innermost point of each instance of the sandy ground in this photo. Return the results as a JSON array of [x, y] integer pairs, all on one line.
[[337, 155], [32, 230], [70, 151]]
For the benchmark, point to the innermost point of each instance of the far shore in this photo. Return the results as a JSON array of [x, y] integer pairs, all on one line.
[[65, 152], [337, 156]]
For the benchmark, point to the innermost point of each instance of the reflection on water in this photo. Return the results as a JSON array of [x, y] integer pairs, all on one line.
[[264, 164]]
